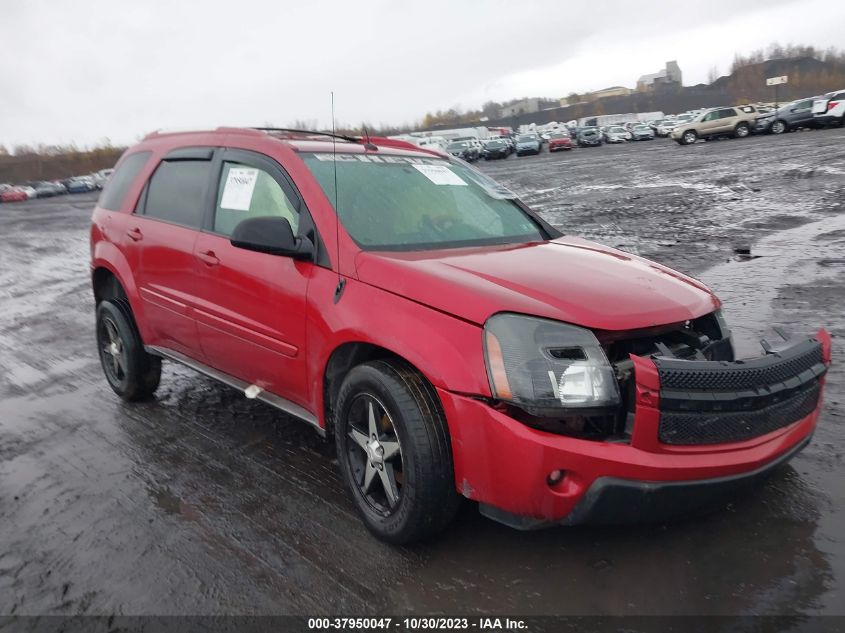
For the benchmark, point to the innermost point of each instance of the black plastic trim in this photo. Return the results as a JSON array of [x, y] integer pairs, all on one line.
[[708, 402], [785, 365], [190, 153]]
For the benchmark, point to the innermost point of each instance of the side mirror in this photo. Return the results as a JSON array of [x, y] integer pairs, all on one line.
[[271, 235]]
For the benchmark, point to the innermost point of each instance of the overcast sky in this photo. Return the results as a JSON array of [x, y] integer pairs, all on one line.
[[85, 70]]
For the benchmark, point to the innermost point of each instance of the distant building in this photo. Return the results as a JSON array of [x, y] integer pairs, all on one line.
[[526, 106], [613, 91], [670, 75]]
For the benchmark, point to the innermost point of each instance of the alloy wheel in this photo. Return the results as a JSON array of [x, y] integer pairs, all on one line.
[[112, 351], [374, 454]]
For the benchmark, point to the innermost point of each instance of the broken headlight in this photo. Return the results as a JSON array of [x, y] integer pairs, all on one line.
[[547, 368]]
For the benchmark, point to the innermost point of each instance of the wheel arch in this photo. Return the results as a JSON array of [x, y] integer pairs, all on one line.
[[111, 278], [343, 358], [106, 285]]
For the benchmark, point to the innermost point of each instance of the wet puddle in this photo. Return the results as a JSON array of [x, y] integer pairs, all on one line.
[[750, 282]]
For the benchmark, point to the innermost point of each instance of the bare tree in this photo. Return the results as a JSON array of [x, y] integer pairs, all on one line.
[[712, 74]]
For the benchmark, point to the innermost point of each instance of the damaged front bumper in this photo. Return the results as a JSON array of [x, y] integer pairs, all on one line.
[[701, 429]]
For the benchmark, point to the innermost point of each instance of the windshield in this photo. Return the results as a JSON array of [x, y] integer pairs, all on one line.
[[456, 146], [494, 143], [560, 135], [527, 137], [617, 130], [642, 128], [390, 202]]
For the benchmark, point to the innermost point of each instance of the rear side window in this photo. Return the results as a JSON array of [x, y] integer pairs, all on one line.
[[127, 171], [176, 192], [727, 113]]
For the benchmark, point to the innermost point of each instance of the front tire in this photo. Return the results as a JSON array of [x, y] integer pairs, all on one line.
[[778, 127], [394, 451], [131, 372], [688, 138]]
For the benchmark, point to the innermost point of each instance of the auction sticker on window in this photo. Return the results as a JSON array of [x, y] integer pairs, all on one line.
[[240, 183], [440, 174]]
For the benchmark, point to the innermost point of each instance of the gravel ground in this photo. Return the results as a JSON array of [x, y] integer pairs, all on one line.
[[201, 502]]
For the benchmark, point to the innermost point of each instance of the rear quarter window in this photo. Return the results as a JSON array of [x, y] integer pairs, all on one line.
[[124, 175]]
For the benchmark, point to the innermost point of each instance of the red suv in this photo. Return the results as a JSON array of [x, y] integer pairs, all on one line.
[[451, 341]]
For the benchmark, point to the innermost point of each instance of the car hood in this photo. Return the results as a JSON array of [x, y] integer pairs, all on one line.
[[568, 279]]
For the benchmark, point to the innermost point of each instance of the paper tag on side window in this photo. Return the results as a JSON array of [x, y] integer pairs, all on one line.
[[237, 193], [440, 174]]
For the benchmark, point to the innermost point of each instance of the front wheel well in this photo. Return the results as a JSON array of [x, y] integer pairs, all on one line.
[[106, 285], [341, 361]]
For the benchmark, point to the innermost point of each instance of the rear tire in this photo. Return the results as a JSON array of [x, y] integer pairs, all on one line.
[[741, 130], [131, 372], [388, 406]]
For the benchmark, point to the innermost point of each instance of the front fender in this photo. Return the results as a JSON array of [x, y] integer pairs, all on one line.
[[446, 350]]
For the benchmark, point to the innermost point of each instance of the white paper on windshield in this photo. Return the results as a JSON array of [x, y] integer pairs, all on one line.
[[240, 183], [440, 174]]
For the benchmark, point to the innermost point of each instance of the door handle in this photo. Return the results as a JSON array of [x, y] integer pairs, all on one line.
[[135, 234], [209, 258]]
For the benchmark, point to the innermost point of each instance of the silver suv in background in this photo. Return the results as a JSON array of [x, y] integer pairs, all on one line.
[[737, 121]]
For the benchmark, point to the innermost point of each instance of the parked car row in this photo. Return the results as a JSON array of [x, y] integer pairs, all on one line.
[[50, 188], [727, 121], [812, 112], [741, 121]]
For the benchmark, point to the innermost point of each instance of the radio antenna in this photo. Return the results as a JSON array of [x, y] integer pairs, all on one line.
[[341, 282], [368, 145]]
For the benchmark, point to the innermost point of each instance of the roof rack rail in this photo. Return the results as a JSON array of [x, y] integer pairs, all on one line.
[[351, 139], [172, 131]]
